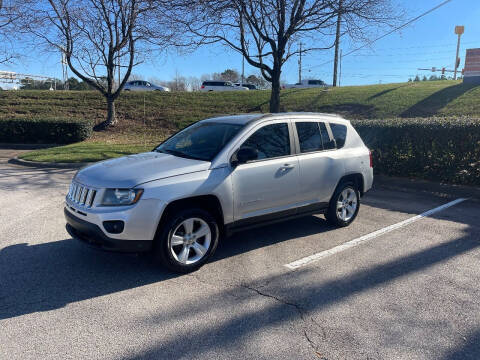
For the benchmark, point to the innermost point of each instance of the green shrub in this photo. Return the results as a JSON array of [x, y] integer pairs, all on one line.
[[46, 131], [446, 150]]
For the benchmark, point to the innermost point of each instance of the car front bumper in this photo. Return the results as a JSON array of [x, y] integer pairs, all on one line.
[[92, 235]]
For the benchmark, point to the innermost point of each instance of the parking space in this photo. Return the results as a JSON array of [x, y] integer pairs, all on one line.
[[411, 293]]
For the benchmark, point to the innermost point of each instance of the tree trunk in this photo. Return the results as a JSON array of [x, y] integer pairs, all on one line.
[[111, 119], [275, 95]]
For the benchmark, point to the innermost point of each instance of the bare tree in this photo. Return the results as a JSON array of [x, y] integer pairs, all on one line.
[[179, 83], [258, 81], [230, 75], [264, 31], [98, 38], [8, 17], [194, 83]]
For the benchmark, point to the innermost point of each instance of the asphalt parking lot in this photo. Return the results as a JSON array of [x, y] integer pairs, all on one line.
[[406, 292]]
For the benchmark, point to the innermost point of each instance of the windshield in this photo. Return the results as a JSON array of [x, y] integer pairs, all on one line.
[[201, 141]]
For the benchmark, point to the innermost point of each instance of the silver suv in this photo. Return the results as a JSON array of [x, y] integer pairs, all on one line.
[[218, 176]]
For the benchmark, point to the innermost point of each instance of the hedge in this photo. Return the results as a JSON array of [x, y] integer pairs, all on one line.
[[446, 150], [46, 131]]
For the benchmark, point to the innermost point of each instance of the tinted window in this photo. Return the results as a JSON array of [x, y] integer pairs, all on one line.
[[309, 136], [339, 134], [270, 141], [202, 141], [327, 143]]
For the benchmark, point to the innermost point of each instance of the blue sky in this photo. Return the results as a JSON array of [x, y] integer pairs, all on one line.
[[429, 42]]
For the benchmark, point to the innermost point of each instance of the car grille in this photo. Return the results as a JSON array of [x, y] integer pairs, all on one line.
[[81, 195]]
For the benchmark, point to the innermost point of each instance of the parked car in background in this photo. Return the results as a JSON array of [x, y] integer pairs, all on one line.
[[306, 84], [219, 176], [219, 85], [249, 86], [141, 85]]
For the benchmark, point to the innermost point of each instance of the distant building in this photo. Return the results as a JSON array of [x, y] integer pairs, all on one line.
[[471, 72]]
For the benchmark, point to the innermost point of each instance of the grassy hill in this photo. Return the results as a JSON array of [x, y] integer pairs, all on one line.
[[146, 118]]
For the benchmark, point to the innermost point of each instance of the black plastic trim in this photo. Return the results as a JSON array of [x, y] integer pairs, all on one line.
[[92, 235], [257, 221]]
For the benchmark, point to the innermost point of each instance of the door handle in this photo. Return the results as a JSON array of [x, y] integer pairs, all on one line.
[[288, 166]]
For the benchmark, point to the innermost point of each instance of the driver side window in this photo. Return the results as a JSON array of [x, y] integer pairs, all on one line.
[[270, 141]]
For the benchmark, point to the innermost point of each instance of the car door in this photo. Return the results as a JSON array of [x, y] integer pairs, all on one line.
[[320, 166], [269, 184]]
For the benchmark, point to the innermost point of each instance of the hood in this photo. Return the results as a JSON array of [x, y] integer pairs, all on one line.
[[128, 171]]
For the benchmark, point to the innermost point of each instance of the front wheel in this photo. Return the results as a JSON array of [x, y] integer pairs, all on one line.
[[344, 205], [187, 240]]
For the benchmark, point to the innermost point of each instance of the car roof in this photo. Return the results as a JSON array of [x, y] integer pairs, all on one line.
[[244, 119], [241, 119]]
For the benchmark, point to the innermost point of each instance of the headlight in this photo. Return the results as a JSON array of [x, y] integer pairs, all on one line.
[[113, 197]]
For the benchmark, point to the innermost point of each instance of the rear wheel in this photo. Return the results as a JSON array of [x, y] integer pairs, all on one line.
[[187, 240], [344, 205]]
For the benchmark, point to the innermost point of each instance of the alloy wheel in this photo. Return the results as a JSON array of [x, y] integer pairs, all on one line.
[[190, 241], [347, 204]]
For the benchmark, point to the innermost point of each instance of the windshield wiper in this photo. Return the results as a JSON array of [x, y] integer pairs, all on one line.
[[179, 154]]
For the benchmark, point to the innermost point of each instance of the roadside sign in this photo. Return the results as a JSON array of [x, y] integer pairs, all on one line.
[[459, 30]]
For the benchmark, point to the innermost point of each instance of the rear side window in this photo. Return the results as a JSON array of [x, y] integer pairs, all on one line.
[[309, 136], [328, 144], [339, 132], [270, 141]]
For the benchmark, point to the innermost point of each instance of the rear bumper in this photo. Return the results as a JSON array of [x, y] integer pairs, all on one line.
[[92, 235]]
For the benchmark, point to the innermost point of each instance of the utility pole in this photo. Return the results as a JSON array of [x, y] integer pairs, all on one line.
[[300, 65], [459, 30], [337, 42], [243, 69], [340, 75]]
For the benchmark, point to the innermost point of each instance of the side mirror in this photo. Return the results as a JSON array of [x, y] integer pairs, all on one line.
[[244, 155]]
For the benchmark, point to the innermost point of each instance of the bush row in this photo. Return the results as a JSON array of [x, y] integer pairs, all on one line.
[[441, 149], [44, 131]]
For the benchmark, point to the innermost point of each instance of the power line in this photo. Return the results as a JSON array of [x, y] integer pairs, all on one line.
[[391, 31], [426, 46]]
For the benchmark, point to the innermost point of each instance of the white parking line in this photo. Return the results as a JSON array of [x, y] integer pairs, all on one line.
[[352, 243]]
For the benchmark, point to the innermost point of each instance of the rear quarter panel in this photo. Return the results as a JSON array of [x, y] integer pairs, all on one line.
[[357, 158]]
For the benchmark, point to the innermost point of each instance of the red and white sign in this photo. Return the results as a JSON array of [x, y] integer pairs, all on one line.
[[472, 63]]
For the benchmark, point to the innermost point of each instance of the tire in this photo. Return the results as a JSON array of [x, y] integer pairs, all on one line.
[[343, 215], [186, 256]]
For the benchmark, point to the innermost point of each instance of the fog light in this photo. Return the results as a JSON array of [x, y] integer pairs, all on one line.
[[114, 226]]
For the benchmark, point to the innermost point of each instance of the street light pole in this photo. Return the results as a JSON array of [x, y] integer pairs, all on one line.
[[459, 30]]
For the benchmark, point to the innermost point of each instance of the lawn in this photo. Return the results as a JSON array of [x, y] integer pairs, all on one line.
[[147, 118], [85, 152]]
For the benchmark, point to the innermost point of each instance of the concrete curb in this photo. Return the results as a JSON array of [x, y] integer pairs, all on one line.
[[54, 165]]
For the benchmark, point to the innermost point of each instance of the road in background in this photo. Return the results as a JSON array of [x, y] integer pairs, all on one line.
[[410, 294]]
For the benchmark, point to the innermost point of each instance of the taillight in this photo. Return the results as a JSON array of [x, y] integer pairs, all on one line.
[[203, 87], [371, 159]]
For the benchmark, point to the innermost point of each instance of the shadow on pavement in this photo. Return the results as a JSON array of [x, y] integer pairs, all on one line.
[[49, 276], [292, 298], [469, 351]]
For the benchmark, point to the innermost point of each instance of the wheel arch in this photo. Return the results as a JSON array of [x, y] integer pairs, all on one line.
[[356, 178], [210, 203]]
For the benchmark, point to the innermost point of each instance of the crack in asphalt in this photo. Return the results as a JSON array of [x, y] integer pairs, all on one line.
[[308, 321], [301, 311]]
